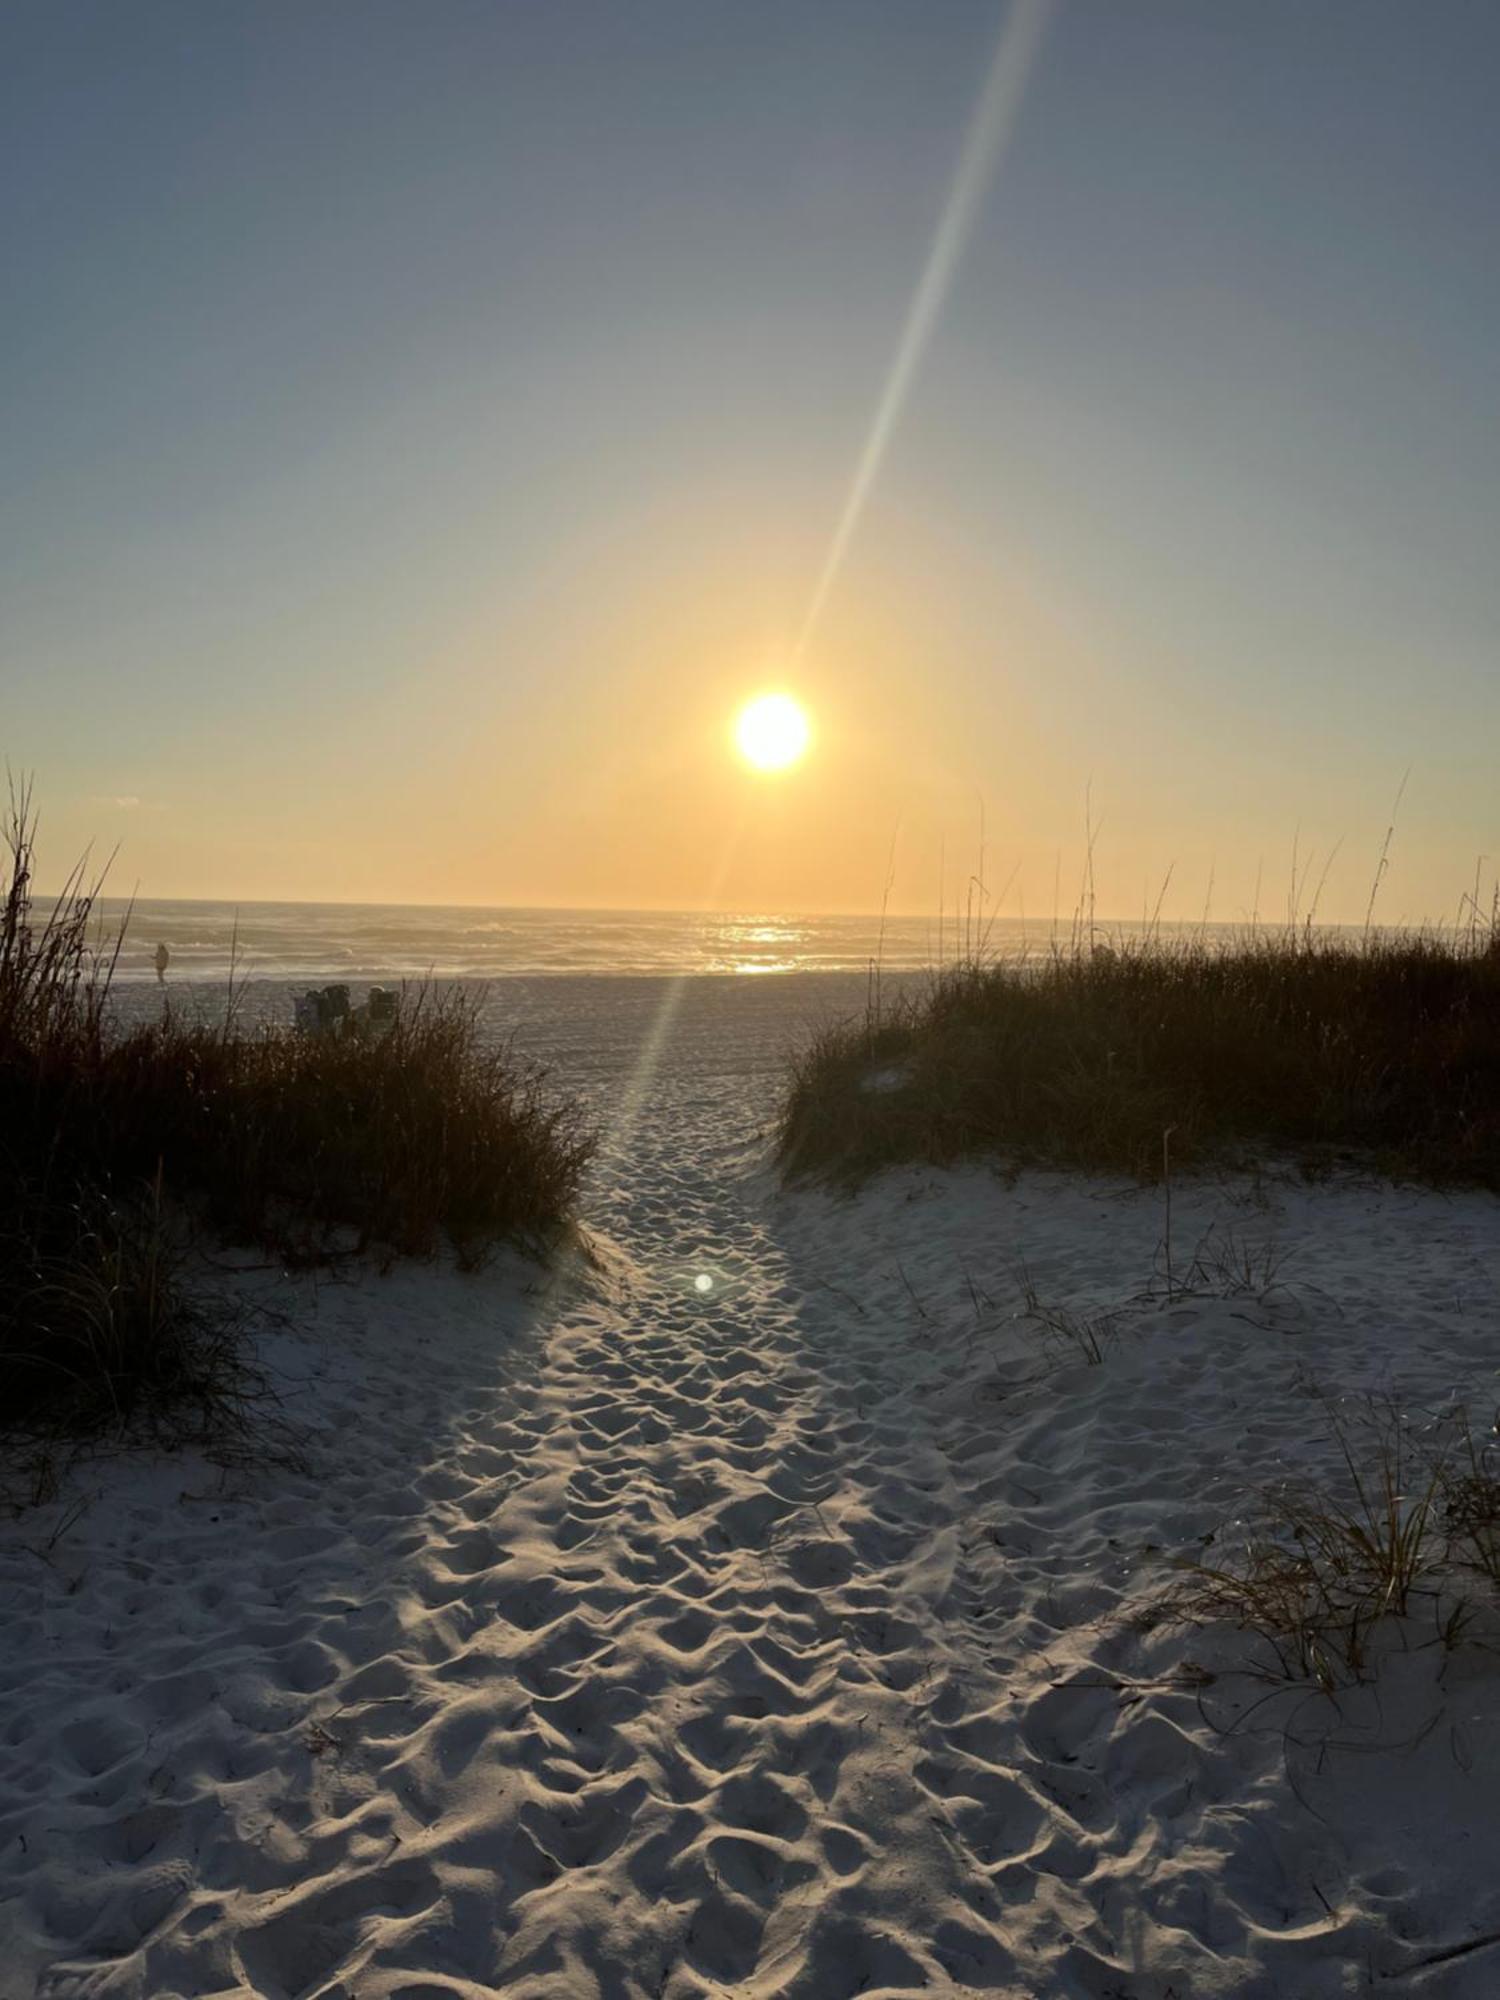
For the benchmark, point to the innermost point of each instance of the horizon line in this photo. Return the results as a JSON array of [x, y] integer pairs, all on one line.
[[1051, 920]]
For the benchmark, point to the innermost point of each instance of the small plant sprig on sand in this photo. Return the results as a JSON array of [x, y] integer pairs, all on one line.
[[1088, 1335], [1224, 1263], [1471, 1504], [1325, 1565]]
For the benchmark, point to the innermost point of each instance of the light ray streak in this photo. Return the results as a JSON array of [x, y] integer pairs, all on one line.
[[990, 128]]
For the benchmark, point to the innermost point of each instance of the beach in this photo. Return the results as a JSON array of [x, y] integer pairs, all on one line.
[[749, 1001], [763, 1602]]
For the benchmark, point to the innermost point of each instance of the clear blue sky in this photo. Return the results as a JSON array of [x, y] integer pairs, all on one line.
[[421, 423]]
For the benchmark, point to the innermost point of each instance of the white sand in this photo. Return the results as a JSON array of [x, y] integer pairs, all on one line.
[[783, 1638]]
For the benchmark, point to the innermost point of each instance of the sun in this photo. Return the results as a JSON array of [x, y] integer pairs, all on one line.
[[772, 732]]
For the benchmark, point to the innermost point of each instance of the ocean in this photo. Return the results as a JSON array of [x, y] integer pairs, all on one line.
[[359, 943]]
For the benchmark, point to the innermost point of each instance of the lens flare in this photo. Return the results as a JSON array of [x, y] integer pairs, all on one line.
[[989, 132]]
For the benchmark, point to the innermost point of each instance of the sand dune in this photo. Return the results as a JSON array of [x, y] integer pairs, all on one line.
[[790, 1635]]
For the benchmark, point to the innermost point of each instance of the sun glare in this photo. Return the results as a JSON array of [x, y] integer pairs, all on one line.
[[772, 731]]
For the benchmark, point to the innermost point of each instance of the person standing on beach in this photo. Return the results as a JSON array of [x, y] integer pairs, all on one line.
[[163, 959]]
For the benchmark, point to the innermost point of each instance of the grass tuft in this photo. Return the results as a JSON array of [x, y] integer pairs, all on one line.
[[1089, 1336], [1405, 1527], [1471, 1506]]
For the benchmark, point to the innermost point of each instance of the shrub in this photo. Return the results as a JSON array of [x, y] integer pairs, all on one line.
[[110, 1140], [408, 1139], [1386, 1051]]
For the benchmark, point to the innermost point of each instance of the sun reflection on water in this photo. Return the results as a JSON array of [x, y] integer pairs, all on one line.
[[759, 946]]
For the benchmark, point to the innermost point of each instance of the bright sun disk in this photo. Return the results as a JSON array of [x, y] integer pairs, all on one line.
[[772, 731]]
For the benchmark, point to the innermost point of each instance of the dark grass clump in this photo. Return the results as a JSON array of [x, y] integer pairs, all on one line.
[[401, 1141], [1384, 1052], [113, 1143], [102, 1334]]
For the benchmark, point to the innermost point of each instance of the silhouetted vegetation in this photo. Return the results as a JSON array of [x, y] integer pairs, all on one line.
[[1383, 1051], [113, 1142]]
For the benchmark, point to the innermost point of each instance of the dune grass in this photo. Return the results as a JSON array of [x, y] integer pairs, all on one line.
[[1404, 1530], [1383, 1051], [394, 1144], [114, 1143]]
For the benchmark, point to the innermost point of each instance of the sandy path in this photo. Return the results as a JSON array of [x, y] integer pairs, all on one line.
[[779, 1637], [585, 1684]]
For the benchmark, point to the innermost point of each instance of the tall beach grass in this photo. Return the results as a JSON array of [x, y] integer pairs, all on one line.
[[1123, 1057], [115, 1142]]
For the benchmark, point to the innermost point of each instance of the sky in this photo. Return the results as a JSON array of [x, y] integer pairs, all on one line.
[[421, 427]]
